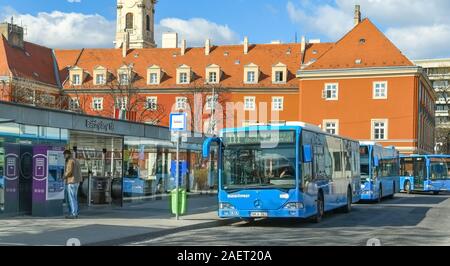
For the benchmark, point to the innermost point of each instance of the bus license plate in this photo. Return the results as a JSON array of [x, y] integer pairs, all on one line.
[[259, 214]]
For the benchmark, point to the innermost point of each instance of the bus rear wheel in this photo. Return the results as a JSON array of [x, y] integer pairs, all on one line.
[[393, 192], [407, 187], [320, 209], [348, 207], [380, 194]]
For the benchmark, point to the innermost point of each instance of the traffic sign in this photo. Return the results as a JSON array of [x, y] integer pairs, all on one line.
[[178, 122]]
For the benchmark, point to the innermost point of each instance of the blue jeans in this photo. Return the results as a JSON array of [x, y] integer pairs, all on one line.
[[72, 198]]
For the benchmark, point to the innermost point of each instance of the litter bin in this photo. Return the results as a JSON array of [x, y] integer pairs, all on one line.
[[182, 201]]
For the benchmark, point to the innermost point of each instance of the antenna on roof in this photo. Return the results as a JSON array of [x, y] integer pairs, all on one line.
[[295, 38]]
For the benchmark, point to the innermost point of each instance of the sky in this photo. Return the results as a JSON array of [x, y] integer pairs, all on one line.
[[420, 28]]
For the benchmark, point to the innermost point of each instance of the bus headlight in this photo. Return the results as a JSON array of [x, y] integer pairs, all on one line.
[[225, 206], [294, 206]]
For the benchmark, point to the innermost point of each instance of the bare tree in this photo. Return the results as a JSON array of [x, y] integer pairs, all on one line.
[[205, 103]]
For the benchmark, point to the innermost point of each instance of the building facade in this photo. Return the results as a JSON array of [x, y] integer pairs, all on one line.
[[438, 71]]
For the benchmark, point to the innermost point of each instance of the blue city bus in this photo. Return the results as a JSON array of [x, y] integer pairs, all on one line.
[[379, 171], [426, 173], [286, 171]]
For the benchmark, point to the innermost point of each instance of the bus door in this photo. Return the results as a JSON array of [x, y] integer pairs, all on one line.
[[419, 173]]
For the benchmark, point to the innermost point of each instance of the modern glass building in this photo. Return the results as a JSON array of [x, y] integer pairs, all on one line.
[[121, 161]]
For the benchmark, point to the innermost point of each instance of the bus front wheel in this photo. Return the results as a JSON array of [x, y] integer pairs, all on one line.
[[320, 209], [407, 187], [380, 194], [393, 192]]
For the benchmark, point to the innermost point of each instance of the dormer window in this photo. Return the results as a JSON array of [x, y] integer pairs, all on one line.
[[100, 75], [76, 76], [251, 74], [213, 74], [184, 74], [279, 73], [125, 75], [154, 75]]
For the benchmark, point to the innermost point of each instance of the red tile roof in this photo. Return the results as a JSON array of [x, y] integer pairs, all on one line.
[[365, 43], [34, 62], [230, 58]]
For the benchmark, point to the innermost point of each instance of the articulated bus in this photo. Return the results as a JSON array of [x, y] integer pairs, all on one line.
[[379, 171], [287, 171], [426, 173]]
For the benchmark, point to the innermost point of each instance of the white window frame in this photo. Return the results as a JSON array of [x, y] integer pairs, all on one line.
[[152, 100], [329, 87], [124, 81], [276, 104], [180, 103], [374, 127], [153, 78], [122, 103], [97, 102], [76, 81], [250, 99], [325, 126], [102, 81], [182, 79], [379, 90], [251, 73], [74, 104], [210, 75], [209, 102], [277, 80]]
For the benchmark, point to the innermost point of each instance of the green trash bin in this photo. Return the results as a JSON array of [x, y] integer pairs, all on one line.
[[182, 201]]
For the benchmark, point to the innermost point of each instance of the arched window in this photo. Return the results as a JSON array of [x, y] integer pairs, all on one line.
[[148, 22], [129, 21]]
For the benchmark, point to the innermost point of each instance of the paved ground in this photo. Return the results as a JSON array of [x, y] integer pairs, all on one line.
[[419, 219], [111, 225]]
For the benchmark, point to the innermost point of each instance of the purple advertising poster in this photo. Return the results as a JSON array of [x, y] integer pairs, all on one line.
[[11, 173], [40, 173]]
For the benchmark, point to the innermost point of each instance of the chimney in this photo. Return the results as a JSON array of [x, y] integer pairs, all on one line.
[[183, 47], [357, 14], [246, 45], [125, 44], [170, 40], [207, 46]]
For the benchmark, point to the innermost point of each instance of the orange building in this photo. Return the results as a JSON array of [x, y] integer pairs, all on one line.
[[363, 87]]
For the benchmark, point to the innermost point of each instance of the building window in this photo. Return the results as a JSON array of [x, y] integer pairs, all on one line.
[[210, 103], [331, 126], [76, 80], [181, 103], [212, 77], [147, 20], [129, 21], [151, 103], [277, 103], [154, 78], [97, 104], [100, 79], [249, 103], [380, 129], [121, 103], [251, 76], [123, 79], [183, 78], [74, 104], [279, 76], [331, 91], [380, 90]]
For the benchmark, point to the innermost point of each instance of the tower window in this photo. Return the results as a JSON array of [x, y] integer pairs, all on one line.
[[129, 21], [148, 22]]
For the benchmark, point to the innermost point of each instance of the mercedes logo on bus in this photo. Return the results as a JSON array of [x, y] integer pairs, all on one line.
[[257, 204]]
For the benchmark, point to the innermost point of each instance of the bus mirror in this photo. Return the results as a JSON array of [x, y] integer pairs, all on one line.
[[376, 161], [207, 146], [307, 153]]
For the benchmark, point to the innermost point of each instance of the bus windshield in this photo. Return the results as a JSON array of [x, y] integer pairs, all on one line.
[[250, 165], [439, 168]]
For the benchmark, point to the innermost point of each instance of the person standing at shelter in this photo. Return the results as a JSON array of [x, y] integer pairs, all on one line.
[[72, 178]]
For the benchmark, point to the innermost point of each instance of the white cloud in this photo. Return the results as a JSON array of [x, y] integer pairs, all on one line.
[[419, 28], [66, 30], [74, 1], [196, 31]]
